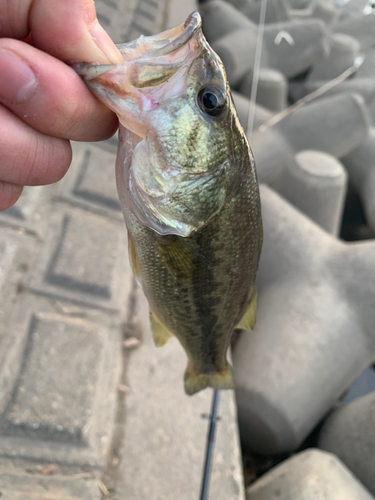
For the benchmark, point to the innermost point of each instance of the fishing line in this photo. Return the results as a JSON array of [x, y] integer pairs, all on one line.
[[210, 446], [313, 95], [257, 58]]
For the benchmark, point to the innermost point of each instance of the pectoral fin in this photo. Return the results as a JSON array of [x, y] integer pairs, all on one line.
[[160, 333], [247, 321], [179, 258]]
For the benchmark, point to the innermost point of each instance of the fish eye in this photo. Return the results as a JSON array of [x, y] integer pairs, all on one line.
[[211, 100]]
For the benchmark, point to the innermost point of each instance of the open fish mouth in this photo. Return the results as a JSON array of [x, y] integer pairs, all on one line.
[[164, 47], [154, 69]]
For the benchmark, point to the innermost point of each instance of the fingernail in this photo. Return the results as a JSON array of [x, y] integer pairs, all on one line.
[[105, 44], [17, 82]]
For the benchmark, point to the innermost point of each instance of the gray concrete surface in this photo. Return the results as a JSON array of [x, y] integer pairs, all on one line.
[[349, 433], [310, 475], [272, 91], [335, 125], [316, 184], [360, 164], [234, 38]]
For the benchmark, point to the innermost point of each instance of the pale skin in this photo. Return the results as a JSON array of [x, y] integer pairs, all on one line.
[[43, 103]]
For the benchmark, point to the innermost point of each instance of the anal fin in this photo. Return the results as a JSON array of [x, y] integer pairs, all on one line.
[[160, 333], [247, 321]]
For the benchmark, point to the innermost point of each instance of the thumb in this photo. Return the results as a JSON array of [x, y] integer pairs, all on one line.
[[70, 31]]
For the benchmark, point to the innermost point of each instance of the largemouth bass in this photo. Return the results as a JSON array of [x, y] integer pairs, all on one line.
[[188, 189]]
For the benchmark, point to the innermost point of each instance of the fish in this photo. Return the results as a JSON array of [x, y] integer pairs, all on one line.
[[188, 189]]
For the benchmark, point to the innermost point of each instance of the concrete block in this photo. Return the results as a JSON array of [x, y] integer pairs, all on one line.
[[335, 125], [233, 37], [242, 105], [30, 212], [115, 17], [301, 4], [343, 55], [325, 10], [15, 485], [148, 19], [360, 27], [165, 434], [11, 336], [220, 18], [353, 8], [362, 386], [272, 153], [360, 164], [372, 110], [91, 181], [365, 86], [8, 271], [272, 91], [306, 44], [277, 10], [316, 184], [314, 333], [344, 50], [179, 11], [349, 433], [319, 9], [60, 408], [311, 475], [83, 260], [237, 52]]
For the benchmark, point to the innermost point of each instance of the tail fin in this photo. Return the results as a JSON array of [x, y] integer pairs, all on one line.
[[220, 380]]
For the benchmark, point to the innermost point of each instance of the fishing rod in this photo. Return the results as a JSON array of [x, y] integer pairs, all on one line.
[[210, 446]]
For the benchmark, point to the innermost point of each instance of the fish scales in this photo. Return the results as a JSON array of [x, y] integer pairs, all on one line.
[[187, 184]]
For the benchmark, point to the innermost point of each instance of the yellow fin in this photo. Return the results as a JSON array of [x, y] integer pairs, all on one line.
[[247, 321], [133, 257], [160, 333], [220, 380]]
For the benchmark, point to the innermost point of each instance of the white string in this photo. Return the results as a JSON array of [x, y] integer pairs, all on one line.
[[257, 58]]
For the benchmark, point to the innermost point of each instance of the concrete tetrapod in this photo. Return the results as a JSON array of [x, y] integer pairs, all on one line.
[[349, 433], [234, 37], [316, 184], [360, 27], [344, 54], [360, 164], [277, 10], [272, 91], [320, 9], [314, 332], [310, 475], [220, 18], [242, 105], [335, 125]]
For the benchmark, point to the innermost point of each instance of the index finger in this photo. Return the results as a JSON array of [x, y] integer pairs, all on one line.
[[66, 29]]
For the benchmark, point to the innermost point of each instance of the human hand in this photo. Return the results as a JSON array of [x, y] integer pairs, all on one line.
[[43, 102]]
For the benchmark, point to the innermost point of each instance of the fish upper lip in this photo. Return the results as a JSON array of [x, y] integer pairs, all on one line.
[[184, 32], [177, 38]]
